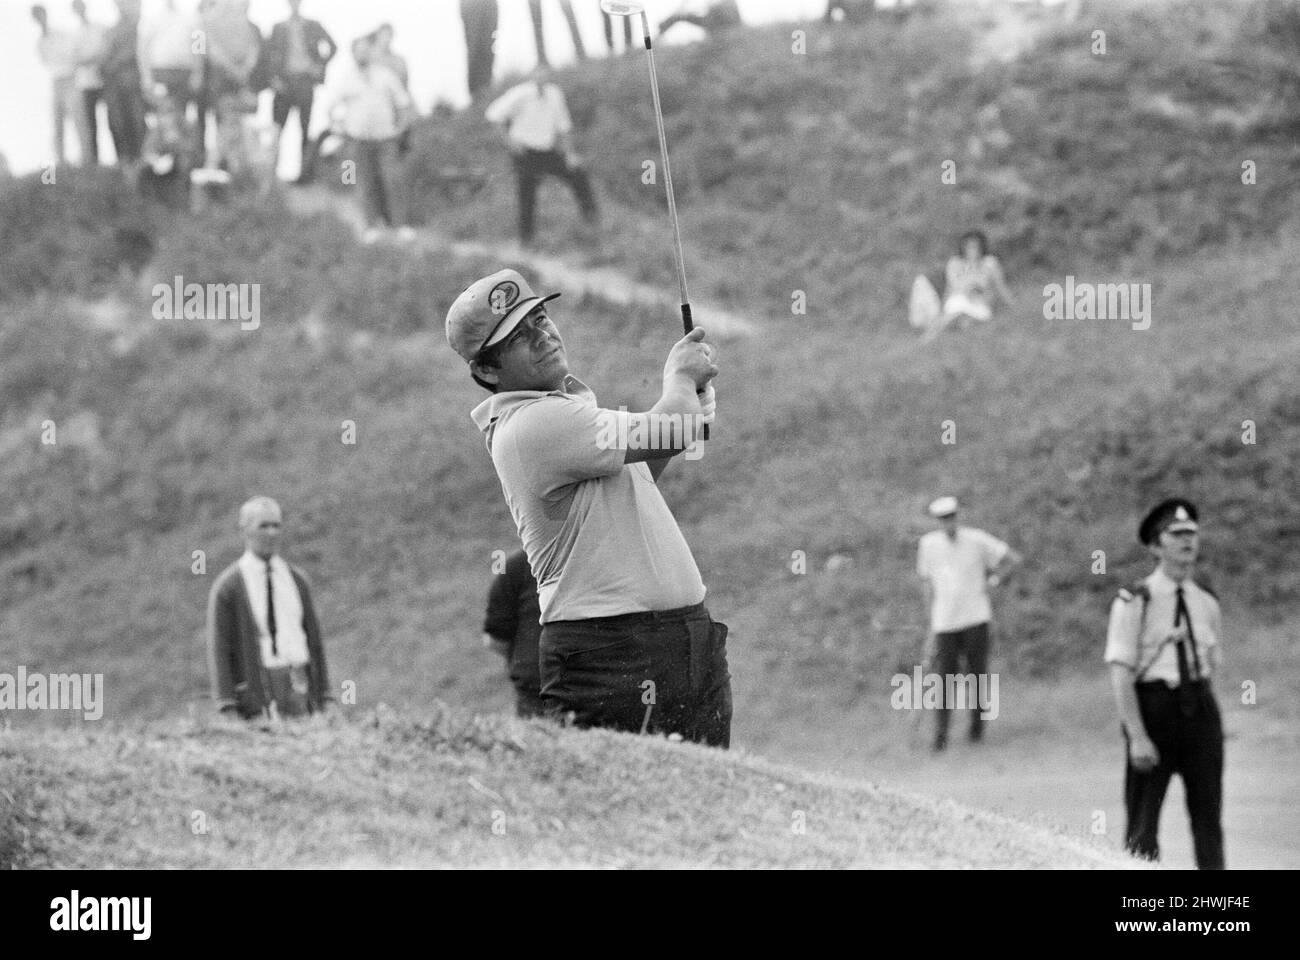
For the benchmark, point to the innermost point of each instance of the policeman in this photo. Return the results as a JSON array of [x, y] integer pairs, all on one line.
[[1162, 645]]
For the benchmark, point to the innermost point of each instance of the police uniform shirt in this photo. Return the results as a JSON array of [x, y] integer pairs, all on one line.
[[1140, 638]]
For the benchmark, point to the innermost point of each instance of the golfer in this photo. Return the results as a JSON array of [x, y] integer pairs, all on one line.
[[626, 640], [1162, 646]]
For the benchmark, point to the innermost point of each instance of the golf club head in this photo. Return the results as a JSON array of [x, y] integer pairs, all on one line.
[[622, 8]]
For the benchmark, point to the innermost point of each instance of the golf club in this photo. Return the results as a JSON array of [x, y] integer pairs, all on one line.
[[630, 8]]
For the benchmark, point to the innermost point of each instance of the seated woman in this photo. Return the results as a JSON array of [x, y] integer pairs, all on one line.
[[971, 279]]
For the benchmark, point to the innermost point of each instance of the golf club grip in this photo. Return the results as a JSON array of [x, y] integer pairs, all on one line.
[[688, 324]]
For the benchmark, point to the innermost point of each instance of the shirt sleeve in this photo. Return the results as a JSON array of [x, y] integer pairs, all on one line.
[[1122, 632], [562, 440], [922, 561], [563, 122], [993, 549]]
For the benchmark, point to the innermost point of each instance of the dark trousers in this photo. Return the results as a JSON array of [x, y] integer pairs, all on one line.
[[480, 20], [968, 648], [1185, 726], [609, 31], [296, 95], [528, 702], [530, 167], [89, 125], [125, 118], [380, 176], [662, 673]]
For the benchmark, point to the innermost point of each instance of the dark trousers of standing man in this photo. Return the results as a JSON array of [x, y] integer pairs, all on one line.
[[379, 172], [480, 20], [530, 167], [125, 118], [971, 646], [660, 672], [1185, 726]]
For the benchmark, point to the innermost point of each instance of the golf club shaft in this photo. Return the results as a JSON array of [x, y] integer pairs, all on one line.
[[688, 322]]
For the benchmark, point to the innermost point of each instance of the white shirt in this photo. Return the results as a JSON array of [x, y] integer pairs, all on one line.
[[535, 119], [958, 570], [166, 41], [89, 45], [369, 103], [290, 637], [1141, 634]]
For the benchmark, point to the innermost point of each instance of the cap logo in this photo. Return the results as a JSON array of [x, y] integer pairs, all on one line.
[[503, 296]]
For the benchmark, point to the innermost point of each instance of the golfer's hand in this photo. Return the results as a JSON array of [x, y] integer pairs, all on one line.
[[692, 358], [708, 404], [1142, 754]]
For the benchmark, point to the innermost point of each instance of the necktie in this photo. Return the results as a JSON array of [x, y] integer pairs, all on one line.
[[1183, 616], [270, 613]]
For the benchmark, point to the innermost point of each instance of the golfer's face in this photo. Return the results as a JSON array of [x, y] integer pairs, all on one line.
[[263, 533], [533, 357]]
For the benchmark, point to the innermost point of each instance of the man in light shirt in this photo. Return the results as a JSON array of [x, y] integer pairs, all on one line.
[[265, 653], [534, 118], [957, 565], [58, 51], [372, 109], [626, 640], [1162, 645]]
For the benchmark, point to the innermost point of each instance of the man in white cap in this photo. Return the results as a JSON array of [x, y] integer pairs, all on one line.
[[1162, 645], [265, 653], [626, 640], [957, 566]]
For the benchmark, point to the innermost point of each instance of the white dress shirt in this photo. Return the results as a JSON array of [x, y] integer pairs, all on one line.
[[1141, 634], [958, 571], [535, 118], [290, 637]]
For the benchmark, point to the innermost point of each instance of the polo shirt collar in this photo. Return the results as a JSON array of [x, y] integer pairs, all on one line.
[[487, 413]]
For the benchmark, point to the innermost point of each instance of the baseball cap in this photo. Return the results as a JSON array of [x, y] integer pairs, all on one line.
[[1174, 514], [488, 310], [943, 507]]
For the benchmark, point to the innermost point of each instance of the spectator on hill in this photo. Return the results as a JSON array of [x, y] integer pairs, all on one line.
[[234, 45], [539, 30], [972, 277], [512, 628], [626, 642], [710, 15], [384, 55], [120, 68], [58, 51], [88, 45], [265, 652], [1162, 645], [957, 565], [479, 18], [171, 74], [296, 57], [534, 119], [373, 110]]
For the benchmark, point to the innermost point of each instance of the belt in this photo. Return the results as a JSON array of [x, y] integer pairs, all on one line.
[[630, 619], [1153, 685]]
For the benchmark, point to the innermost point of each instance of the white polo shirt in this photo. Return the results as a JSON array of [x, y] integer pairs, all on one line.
[[290, 637], [600, 539], [1141, 633], [957, 570], [535, 118]]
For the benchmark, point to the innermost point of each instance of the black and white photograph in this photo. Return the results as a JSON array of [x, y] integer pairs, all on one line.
[[673, 435]]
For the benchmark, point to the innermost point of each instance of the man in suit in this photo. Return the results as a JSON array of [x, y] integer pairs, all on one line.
[[265, 653], [296, 57]]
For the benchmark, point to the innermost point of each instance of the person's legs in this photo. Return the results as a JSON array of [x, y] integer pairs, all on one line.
[[1202, 770], [125, 120], [976, 640], [528, 703], [370, 180], [535, 9], [552, 163], [392, 183], [945, 663], [594, 671], [88, 126], [526, 180], [63, 92], [578, 47], [1144, 791]]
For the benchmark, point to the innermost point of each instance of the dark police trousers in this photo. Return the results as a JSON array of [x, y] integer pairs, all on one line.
[[660, 672], [970, 644], [1185, 727]]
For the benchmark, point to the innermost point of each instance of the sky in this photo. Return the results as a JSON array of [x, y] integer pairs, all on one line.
[[427, 32]]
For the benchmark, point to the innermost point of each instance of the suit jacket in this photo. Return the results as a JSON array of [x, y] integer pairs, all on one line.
[[320, 48], [235, 652], [513, 616]]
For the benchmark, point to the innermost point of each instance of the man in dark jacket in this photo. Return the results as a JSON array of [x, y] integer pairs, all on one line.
[[512, 627], [121, 73], [265, 653], [296, 57]]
